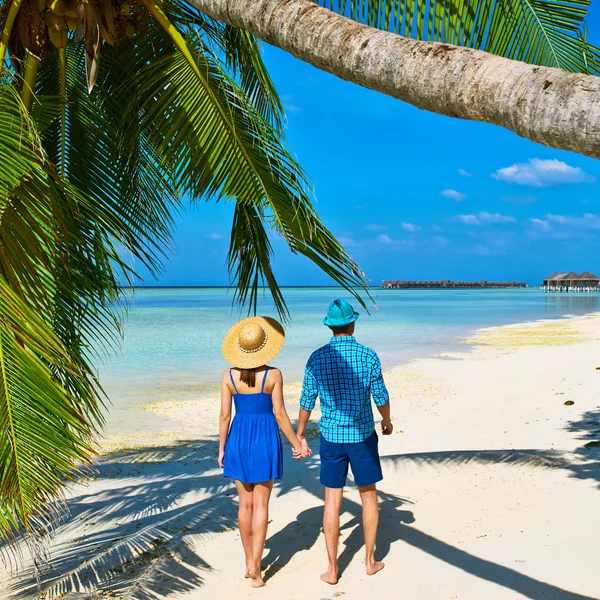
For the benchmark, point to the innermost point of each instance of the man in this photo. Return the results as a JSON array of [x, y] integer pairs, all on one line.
[[344, 375]]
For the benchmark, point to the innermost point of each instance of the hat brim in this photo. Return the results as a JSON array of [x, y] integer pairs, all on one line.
[[353, 318], [236, 357]]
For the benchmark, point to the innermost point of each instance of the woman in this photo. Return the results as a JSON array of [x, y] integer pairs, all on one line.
[[250, 451]]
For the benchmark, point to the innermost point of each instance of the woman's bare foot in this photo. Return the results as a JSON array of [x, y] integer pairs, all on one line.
[[254, 572], [374, 567], [331, 576], [249, 570]]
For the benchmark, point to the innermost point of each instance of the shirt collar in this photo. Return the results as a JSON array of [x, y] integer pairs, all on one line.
[[342, 339]]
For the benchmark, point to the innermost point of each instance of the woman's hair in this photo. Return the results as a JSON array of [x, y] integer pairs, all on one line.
[[248, 376]]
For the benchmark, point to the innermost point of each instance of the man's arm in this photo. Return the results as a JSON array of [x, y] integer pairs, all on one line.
[[381, 397], [308, 399], [303, 418], [386, 423]]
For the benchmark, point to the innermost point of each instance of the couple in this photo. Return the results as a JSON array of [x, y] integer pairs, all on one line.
[[344, 375]]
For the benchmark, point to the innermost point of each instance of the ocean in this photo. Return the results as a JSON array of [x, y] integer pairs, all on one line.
[[173, 336]]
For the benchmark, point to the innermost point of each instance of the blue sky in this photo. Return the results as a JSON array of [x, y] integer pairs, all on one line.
[[413, 195]]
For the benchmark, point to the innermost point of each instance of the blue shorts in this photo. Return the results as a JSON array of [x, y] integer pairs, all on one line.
[[363, 457]]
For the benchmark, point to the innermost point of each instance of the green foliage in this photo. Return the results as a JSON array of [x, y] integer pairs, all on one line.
[[49, 401], [89, 184]]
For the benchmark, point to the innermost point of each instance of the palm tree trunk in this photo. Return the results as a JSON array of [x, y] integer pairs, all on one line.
[[546, 105]]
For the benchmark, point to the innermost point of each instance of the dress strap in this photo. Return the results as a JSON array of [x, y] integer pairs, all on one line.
[[233, 382], [264, 380]]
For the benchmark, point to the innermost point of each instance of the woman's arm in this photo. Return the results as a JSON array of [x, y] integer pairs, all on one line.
[[283, 420], [224, 417]]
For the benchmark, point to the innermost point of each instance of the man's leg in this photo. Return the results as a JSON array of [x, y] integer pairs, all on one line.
[[334, 470], [366, 467], [331, 527], [368, 497]]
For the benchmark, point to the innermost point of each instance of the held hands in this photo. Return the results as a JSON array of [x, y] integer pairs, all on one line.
[[386, 427], [303, 451]]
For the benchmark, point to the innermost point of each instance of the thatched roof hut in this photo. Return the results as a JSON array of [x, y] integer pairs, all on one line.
[[572, 280]]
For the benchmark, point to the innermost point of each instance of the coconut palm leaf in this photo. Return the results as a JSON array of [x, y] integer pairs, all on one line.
[[49, 403], [89, 194], [242, 56], [216, 145], [249, 257], [543, 32], [42, 431]]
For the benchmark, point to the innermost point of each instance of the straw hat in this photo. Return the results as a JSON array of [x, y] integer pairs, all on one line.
[[253, 342]]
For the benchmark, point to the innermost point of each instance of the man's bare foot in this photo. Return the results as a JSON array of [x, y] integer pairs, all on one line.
[[330, 577], [257, 581], [374, 567]]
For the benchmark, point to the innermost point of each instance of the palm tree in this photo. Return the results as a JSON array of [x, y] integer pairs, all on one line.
[[463, 60], [111, 112]]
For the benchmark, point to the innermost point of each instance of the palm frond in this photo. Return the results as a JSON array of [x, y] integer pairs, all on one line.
[[241, 53], [249, 259], [216, 145], [42, 431], [542, 32]]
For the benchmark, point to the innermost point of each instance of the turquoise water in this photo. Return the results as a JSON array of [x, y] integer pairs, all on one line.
[[173, 337]]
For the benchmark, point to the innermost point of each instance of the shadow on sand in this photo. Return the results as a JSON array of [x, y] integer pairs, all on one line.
[[151, 520]]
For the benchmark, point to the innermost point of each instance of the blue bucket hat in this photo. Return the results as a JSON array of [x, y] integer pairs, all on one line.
[[339, 314]]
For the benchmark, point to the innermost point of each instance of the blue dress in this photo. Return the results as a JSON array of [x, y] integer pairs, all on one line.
[[253, 451]]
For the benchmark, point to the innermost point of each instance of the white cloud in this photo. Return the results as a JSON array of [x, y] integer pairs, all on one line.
[[453, 195], [436, 228], [384, 239], [542, 173], [587, 221], [485, 218], [469, 220], [541, 224], [465, 173], [440, 240], [289, 105], [347, 242], [215, 236], [410, 227], [375, 227]]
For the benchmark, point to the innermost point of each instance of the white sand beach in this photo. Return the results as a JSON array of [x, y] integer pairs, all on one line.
[[490, 491]]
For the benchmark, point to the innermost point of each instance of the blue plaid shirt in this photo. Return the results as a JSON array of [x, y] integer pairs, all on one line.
[[344, 375]]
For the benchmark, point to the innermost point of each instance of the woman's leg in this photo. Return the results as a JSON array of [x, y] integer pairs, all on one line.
[[260, 520], [246, 493]]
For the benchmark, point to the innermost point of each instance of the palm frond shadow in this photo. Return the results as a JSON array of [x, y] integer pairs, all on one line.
[[137, 534], [518, 457], [153, 519], [583, 463], [587, 456], [397, 525], [147, 526]]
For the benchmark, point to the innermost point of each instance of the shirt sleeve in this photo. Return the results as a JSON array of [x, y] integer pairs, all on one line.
[[378, 389], [310, 389]]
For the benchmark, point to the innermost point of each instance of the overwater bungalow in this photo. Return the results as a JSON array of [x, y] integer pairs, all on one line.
[[396, 284], [571, 282]]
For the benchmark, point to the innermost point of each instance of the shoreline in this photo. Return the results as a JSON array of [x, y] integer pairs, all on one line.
[[489, 489], [152, 414]]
